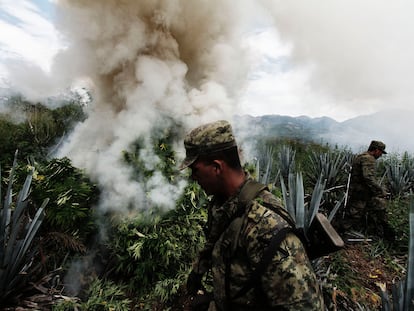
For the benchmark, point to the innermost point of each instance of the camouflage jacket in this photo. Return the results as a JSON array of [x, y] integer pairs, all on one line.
[[289, 282], [363, 181]]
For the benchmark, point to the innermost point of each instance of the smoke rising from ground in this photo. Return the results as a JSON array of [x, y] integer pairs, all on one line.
[[152, 63]]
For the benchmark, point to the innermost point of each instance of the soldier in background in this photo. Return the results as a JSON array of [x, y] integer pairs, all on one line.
[[366, 208], [238, 235]]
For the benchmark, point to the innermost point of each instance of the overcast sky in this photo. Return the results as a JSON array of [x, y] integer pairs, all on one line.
[[337, 59]]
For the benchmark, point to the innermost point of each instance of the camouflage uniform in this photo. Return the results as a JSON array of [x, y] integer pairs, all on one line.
[[289, 282], [237, 242], [366, 205]]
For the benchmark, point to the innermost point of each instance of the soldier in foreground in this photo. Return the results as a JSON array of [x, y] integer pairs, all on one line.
[[366, 209], [238, 234]]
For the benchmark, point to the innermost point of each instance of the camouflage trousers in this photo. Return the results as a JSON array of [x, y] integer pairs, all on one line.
[[366, 215]]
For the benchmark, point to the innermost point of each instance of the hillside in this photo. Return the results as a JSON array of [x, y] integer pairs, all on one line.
[[391, 126]]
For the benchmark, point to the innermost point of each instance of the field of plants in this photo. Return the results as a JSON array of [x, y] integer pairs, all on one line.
[[59, 251]]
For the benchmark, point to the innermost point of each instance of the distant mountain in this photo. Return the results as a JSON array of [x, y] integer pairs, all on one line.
[[302, 127], [277, 126], [394, 127]]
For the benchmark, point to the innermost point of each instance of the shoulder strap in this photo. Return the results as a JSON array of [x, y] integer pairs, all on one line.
[[268, 254], [282, 213], [249, 191]]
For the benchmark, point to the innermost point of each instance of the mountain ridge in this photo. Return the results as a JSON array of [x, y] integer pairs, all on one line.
[[394, 127]]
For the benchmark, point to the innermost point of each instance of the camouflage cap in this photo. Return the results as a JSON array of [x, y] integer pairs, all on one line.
[[207, 139], [376, 144]]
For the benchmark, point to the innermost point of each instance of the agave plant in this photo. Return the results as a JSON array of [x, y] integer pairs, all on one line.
[[408, 166], [17, 231], [319, 236], [264, 167], [403, 292], [286, 160], [330, 165], [294, 200], [398, 177]]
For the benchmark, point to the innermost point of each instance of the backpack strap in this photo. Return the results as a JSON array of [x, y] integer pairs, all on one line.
[[282, 213], [249, 191], [267, 257]]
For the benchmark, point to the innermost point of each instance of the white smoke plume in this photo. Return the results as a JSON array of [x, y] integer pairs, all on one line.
[[359, 52], [151, 63]]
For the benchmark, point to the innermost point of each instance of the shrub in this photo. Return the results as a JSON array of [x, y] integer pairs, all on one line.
[[154, 250], [72, 197]]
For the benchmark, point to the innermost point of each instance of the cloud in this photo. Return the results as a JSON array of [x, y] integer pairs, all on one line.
[[358, 52], [27, 34], [28, 44]]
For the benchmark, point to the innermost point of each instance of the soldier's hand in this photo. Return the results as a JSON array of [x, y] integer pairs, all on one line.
[[194, 283], [386, 195], [201, 302]]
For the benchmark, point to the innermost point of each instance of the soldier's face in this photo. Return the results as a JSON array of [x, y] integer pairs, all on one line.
[[377, 154], [206, 175]]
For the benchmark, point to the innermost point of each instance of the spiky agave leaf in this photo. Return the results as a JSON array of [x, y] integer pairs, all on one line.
[[6, 212], [409, 290], [269, 165], [17, 233], [264, 166], [386, 304], [17, 213], [28, 237], [398, 179], [289, 195], [315, 202], [337, 206], [286, 160], [397, 291], [294, 201], [329, 165], [300, 202]]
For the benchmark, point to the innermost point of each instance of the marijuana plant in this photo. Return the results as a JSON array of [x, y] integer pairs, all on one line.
[[154, 249]]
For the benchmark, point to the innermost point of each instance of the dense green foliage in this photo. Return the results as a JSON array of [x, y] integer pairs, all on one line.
[[72, 197], [154, 250], [102, 296], [34, 129]]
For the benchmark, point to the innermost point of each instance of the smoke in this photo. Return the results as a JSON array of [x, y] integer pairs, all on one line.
[[393, 127], [157, 63], [359, 52], [153, 64]]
